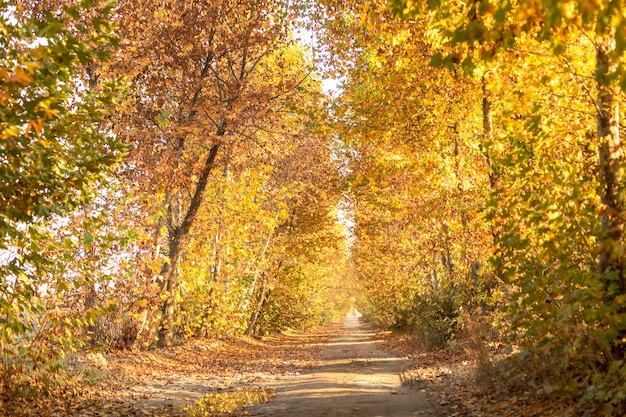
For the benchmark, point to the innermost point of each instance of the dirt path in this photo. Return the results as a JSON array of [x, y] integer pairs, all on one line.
[[336, 371], [356, 378]]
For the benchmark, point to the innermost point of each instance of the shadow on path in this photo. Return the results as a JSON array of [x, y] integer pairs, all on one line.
[[357, 378]]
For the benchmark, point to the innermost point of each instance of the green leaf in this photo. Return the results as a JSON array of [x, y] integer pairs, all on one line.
[[436, 60], [434, 4], [87, 238]]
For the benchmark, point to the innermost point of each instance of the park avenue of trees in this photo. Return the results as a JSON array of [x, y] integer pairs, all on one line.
[[173, 171]]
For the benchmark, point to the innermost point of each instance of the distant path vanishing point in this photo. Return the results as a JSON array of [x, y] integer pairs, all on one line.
[[356, 378]]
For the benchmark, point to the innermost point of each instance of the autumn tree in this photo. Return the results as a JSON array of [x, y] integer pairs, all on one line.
[[531, 98], [56, 151], [304, 285], [416, 171], [241, 247], [500, 26], [218, 91], [552, 44]]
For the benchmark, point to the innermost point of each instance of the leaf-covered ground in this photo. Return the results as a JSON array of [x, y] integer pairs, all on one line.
[[453, 378], [160, 383]]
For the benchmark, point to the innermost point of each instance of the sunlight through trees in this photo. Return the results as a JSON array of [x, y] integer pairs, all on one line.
[[175, 170]]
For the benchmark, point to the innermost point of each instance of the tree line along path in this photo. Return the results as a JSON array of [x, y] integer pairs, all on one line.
[[192, 192]]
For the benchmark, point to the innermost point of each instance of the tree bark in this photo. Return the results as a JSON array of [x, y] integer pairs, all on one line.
[[177, 241], [217, 245], [264, 296], [178, 231], [612, 262], [260, 302], [487, 106], [487, 129], [245, 303]]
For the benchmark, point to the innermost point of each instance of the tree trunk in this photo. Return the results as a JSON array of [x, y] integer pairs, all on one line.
[[252, 322], [493, 180], [217, 245], [245, 302], [178, 233], [262, 301], [612, 260], [177, 241], [487, 129]]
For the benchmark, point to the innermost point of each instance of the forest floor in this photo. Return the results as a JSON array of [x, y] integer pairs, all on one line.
[[160, 383], [357, 377], [467, 382], [343, 369]]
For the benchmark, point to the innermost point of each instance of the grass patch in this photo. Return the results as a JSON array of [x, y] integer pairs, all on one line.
[[228, 402]]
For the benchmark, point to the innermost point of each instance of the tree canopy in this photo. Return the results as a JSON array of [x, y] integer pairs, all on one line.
[[173, 170]]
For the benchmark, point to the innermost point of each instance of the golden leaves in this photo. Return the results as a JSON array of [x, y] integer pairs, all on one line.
[[19, 76], [35, 125], [4, 98]]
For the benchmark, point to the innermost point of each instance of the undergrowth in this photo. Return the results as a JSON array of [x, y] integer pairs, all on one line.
[[228, 402]]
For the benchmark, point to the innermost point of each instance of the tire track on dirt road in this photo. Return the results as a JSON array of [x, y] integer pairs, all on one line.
[[356, 378]]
